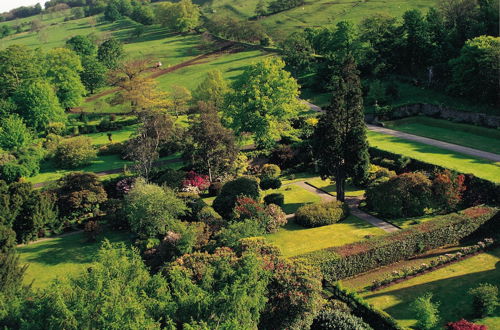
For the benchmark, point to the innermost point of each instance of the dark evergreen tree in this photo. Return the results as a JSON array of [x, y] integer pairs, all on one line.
[[340, 144]]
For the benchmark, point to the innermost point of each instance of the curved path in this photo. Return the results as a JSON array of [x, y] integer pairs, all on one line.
[[353, 203], [436, 143]]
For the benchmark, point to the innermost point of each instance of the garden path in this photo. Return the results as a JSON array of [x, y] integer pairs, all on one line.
[[353, 203]]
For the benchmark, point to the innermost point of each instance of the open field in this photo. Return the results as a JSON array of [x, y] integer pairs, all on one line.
[[63, 256], [476, 137], [449, 286], [452, 160], [294, 240]]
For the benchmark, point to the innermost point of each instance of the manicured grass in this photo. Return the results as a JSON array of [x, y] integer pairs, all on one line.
[[295, 197], [61, 257], [452, 160], [117, 136], [330, 187], [408, 222], [462, 134], [295, 240], [449, 286]]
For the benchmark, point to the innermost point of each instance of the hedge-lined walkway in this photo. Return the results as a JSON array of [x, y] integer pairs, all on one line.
[[353, 203]]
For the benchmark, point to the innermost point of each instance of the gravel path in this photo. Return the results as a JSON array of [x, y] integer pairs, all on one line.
[[353, 203]]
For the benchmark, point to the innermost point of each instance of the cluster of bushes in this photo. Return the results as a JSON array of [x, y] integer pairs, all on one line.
[[238, 30], [441, 260], [269, 177], [321, 214], [352, 259], [415, 193]]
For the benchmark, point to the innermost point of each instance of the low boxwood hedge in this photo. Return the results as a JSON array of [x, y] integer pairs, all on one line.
[[352, 259], [321, 214]]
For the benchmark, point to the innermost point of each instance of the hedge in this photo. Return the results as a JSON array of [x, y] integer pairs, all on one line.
[[321, 214], [352, 259], [478, 190], [376, 318]]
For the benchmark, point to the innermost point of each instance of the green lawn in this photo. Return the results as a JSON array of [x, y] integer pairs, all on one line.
[[462, 134], [449, 286], [117, 136], [330, 187], [63, 256], [295, 240], [408, 222], [295, 197], [449, 159]]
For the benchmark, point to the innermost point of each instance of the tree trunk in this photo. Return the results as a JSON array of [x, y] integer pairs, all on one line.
[[340, 185]]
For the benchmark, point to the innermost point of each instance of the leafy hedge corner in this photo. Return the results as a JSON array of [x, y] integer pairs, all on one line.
[[352, 259], [321, 214]]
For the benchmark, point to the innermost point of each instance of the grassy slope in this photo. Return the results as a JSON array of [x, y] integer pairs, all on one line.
[[443, 130], [60, 257], [449, 286], [459, 162], [295, 240]]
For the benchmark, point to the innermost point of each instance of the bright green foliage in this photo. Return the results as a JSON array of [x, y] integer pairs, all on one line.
[[13, 133], [416, 41], [63, 67], [475, 72], [93, 75], [152, 210], [212, 89], [426, 312], [183, 16], [485, 299], [75, 152], [221, 289], [110, 53], [236, 230], [226, 200], [12, 293], [116, 292], [38, 104], [82, 45], [340, 143], [263, 100], [17, 64]]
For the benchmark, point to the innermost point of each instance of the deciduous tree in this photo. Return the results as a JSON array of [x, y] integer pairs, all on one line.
[[212, 89], [183, 16]]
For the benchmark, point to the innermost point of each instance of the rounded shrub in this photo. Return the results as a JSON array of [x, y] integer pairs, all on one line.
[[484, 299], [270, 183], [270, 171], [75, 152], [244, 186], [276, 198], [214, 188], [321, 214]]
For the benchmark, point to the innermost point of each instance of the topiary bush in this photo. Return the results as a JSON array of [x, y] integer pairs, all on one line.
[[321, 214], [276, 198], [244, 186], [214, 189], [270, 183], [484, 299]]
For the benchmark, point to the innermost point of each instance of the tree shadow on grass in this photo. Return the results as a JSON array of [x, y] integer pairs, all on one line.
[[455, 302]]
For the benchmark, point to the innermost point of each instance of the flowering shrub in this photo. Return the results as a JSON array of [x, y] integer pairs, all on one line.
[[321, 214], [124, 186], [277, 218], [270, 217], [441, 260], [448, 190], [194, 179], [465, 325]]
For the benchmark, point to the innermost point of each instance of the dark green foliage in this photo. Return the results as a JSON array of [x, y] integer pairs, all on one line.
[[340, 143], [79, 195], [110, 53], [215, 188], [13, 133], [17, 65], [281, 5], [169, 177], [275, 198], [322, 214], [405, 195], [331, 319], [236, 230], [226, 200], [143, 15], [82, 45], [298, 53], [352, 259], [485, 299], [93, 75], [75, 152], [7, 237], [270, 183]]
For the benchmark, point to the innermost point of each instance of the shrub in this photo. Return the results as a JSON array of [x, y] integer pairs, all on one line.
[[115, 217], [484, 299], [355, 258], [226, 200], [270, 171], [331, 319], [208, 216], [169, 177], [270, 183], [448, 189], [92, 230], [194, 179], [426, 312], [112, 149], [75, 152], [214, 188], [464, 325], [277, 218], [276, 198], [405, 195], [321, 214], [237, 230], [284, 156]]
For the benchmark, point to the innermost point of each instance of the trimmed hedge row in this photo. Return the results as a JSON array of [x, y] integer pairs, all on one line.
[[376, 318], [478, 190], [352, 259]]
